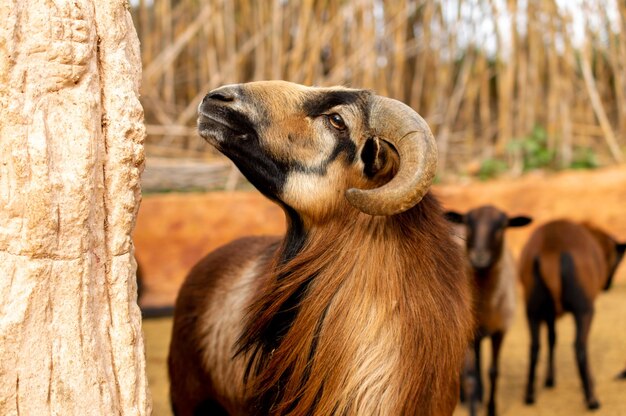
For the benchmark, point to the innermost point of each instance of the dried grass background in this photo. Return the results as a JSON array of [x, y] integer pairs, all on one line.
[[481, 72]]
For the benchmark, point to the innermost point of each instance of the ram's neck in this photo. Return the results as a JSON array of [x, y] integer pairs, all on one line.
[[341, 317]]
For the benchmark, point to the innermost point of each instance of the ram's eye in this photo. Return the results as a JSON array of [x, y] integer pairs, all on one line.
[[336, 121]]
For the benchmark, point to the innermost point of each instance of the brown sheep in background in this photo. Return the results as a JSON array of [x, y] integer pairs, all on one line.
[[494, 275], [564, 265], [362, 308]]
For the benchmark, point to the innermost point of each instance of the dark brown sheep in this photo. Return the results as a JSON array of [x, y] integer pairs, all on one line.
[[362, 307], [494, 275], [563, 267]]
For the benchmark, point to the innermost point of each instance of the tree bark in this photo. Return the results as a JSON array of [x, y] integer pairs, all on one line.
[[71, 155]]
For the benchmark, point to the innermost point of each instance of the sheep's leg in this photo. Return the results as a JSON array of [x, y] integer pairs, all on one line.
[[473, 408], [496, 343], [583, 325], [551, 343], [478, 391], [468, 385], [533, 325], [576, 299]]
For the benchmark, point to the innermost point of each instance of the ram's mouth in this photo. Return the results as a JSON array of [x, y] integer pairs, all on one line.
[[214, 128]]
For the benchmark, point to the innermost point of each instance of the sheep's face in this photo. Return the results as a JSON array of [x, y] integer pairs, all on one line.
[[301, 146], [485, 228]]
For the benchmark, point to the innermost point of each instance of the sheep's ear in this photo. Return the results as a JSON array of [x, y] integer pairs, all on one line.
[[377, 156], [455, 217], [519, 221]]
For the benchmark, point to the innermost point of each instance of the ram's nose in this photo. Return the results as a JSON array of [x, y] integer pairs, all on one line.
[[225, 94]]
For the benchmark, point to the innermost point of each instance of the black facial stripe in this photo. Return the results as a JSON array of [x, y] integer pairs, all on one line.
[[234, 119], [346, 146], [240, 143], [323, 101], [241, 122], [265, 173], [343, 146], [269, 175]]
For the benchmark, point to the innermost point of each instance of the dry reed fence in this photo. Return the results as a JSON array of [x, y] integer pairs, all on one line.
[[482, 72]]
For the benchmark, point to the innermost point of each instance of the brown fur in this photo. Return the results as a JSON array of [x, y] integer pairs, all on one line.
[[563, 267], [381, 305], [352, 314], [387, 308], [192, 378], [591, 249]]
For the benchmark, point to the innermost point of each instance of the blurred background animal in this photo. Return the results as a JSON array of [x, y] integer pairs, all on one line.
[[491, 265], [564, 266]]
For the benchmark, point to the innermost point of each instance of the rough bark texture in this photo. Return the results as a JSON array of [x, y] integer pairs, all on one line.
[[71, 154]]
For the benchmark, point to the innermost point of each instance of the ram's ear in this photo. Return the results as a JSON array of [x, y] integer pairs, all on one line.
[[455, 217], [519, 221], [379, 158]]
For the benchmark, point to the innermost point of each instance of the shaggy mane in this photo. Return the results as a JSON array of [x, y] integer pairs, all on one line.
[[346, 326]]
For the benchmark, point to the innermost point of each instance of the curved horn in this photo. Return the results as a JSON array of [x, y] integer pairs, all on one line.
[[398, 124]]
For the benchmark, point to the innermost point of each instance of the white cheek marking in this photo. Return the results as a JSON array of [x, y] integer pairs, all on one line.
[[308, 188], [314, 194], [319, 157]]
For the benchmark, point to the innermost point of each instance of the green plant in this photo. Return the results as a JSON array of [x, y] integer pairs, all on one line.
[[491, 168], [534, 149], [584, 158]]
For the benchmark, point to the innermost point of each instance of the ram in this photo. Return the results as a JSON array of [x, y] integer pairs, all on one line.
[[362, 307], [494, 275], [563, 267]]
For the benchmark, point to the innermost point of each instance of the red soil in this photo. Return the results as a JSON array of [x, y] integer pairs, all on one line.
[[175, 230]]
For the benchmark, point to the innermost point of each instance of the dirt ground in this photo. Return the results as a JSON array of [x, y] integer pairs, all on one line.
[[175, 230]]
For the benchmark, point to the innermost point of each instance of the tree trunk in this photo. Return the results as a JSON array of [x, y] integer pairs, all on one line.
[[71, 154]]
